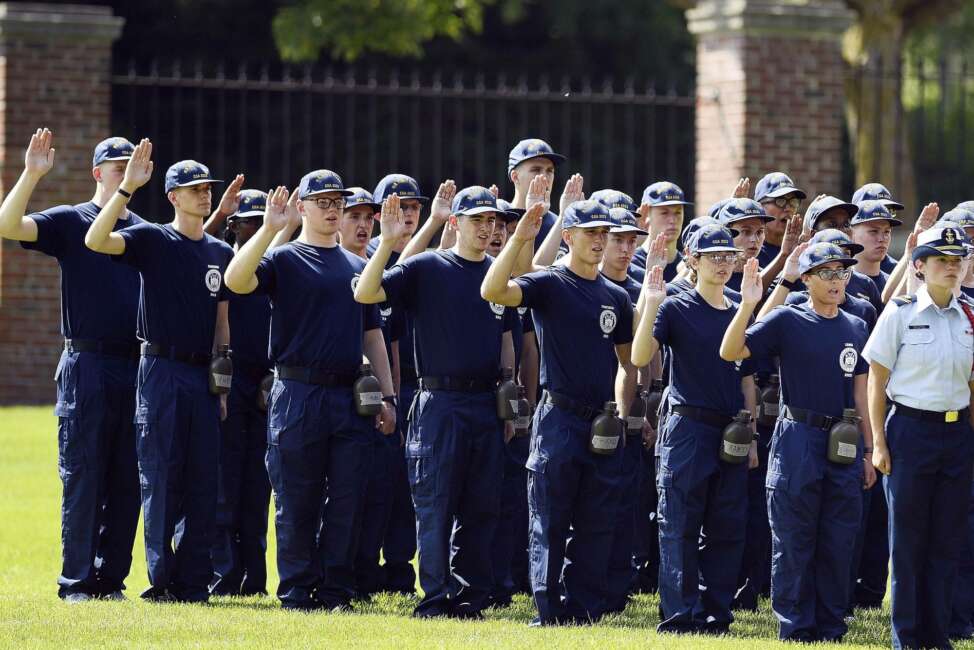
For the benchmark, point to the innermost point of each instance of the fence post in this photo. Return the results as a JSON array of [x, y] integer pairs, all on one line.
[[769, 92], [55, 64]]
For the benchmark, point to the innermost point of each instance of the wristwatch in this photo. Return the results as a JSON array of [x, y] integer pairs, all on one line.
[[791, 285], [391, 399]]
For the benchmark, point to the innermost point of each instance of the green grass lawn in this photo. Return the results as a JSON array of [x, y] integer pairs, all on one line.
[[32, 616]]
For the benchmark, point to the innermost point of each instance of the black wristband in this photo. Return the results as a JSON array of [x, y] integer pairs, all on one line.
[[790, 285], [867, 450], [391, 399], [127, 195], [756, 437]]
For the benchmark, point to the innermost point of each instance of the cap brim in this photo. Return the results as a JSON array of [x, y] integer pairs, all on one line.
[[661, 204], [371, 204], [128, 157], [341, 192], [197, 182], [784, 191], [892, 204], [509, 215], [591, 224], [846, 263], [249, 213], [891, 220], [622, 229], [717, 249], [479, 210], [763, 217], [927, 250], [854, 249]]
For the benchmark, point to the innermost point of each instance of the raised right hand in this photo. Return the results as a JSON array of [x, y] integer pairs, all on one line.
[[928, 216], [573, 192], [751, 288], [275, 214], [537, 192], [743, 188], [654, 286], [138, 171], [443, 202], [392, 223], [39, 158], [529, 225]]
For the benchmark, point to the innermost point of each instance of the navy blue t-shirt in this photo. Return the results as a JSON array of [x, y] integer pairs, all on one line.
[[315, 320], [631, 286], [691, 330], [859, 286], [767, 254], [683, 284], [879, 281], [968, 291], [852, 305], [578, 323], [888, 264], [637, 268], [818, 356], [99, 299], [402, 325], [182, 282], [456, 332], [250, 326]]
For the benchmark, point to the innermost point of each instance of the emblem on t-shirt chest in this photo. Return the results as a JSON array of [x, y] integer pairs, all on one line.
[[607, 321], [848, 358], [355, 279], [213, 279]]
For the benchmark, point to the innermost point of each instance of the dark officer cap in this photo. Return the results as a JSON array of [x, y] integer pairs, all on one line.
[[962, 217], [508, 212], [473, 200], [664, 193], [186, 173], [873, 210], [623, 222], [253, 203], [112, 149], [820, 206], [321, 181], [712, 238], [532, 148], [940, 240], [876, 192], [822, 253], [405, 186], [615, 199], [740, 210], [586, 214], [775, 185], [361, 196]]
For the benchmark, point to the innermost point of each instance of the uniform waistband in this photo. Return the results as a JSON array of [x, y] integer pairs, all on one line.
[[704, 416], [173, 353], [811, 418], [316, 376], [931, 416], [459, 384], [106, 348], [573, 406]]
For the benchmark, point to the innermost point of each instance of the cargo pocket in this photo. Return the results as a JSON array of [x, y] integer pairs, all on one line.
[[776, 481], [146, 443], [536, 463], [70, 443], [419, 461]]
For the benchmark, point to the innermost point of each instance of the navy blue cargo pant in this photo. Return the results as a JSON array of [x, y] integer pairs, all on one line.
[[962, 608], [98, 469], [455, 453], [510, 548], [399, 540], [754, 579], [377, 507], [178, 426], [571, 494], [815, 507], [621, 577], [240, 548], [927, 490], [318, 460], [702, 510]]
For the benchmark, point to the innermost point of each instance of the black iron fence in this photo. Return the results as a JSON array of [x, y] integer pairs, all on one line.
[[276, 124]]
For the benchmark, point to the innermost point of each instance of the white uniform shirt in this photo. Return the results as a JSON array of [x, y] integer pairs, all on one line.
[[928, 351]]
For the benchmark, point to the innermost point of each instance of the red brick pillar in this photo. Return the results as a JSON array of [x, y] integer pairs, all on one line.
[[55, 66], [769, 93]]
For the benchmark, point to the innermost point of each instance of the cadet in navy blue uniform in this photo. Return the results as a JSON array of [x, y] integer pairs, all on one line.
[[920, 358], [872, 229], [699, 495], [96, 373], [782, 201], [814, 504], [583, 321], [619, 248], [454, 448], [530, 158], [399, 541], [319, 447], [239, 563], [182, 320], [749, 219], [662, 213], [878, 192]]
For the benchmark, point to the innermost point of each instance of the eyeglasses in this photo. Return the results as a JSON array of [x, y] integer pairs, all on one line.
[[833, 274], [792, 203], [721, 258], [327, 204]]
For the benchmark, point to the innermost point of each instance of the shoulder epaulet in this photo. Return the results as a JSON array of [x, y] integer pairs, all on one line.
[[904, 300]]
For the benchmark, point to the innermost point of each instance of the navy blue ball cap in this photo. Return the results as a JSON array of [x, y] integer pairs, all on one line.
[[695, 224], [961, 216], [186, 173], [714, 210], [253, 203], [664, 193], [586, 214], [112, 149], [823, 205], [361, 196], [876, 192], [623, 222], [532, 148], [320, 181], [474, 200], [822, 253], [615, 199], [873, 210], [837, 237], [775, 185], [712, 238], [941, 240], [508, 212], [740, 210], [966, 205], [404, 186]]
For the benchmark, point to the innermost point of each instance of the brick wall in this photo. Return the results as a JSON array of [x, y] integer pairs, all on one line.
[[769, 93], [54, 71]]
